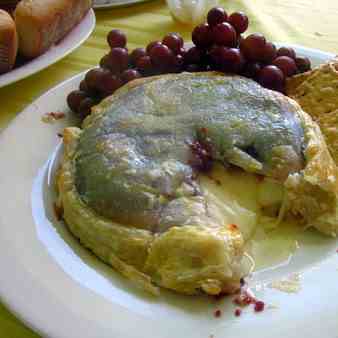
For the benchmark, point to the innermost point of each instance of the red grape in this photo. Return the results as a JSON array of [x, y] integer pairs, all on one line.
[[85, 107], [239, 21], [215, 54], [161, 56], [252, 69], [286, 51], [253, 47], [116, 38], [239, 39], [201, 36], [129, 75], [216, 15], [193, 56], [74, 99], [179, 62], [269, 52], [230, 60], [92, 78], [286, 65], [118, 60], [173, 41], [151, 45], [144, 65], [108, 83], [136, 54], [182, 51], [303, 64], [104, 62], [192, 68], [224, 34], [83, 86], [271, 77]]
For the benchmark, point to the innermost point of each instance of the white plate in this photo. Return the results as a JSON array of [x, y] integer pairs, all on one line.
[[68, 44], [59, 289], [104, 4]]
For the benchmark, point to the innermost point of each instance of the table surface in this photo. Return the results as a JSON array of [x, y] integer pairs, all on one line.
[[311, 23]]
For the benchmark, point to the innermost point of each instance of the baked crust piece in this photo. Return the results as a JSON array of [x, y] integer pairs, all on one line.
[[42, 23], [312, 193], [316, 92], [8, 42]]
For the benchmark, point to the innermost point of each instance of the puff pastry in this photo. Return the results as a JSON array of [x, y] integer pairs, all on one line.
[[8, 42], [42, 23], [128, 185], [317, 93]]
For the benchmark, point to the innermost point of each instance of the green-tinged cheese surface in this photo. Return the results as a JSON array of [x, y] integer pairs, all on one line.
[[133, 160]]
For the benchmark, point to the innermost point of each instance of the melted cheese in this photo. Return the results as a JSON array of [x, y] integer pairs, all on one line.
[[252, 203]]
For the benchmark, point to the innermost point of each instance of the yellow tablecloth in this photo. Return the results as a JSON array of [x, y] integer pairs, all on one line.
[[312, 23]]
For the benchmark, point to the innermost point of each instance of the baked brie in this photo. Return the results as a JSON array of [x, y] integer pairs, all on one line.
[[131, 187]]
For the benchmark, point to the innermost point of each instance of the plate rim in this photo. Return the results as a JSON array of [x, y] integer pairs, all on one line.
[[117, 4], [10, 303], [36, 65]]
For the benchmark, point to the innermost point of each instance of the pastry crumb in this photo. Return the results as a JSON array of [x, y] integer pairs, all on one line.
[[288, 285], [51, 117]]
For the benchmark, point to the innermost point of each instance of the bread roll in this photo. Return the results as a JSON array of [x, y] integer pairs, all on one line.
[[8, 42], [42, 23]]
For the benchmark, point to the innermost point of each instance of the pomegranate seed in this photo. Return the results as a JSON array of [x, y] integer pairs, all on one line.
[[238, 312], [218, 313], [233, 227], [259, 306]]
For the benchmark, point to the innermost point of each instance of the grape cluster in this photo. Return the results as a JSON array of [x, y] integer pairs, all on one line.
[[119, 67], [218, 45], [224, 48]]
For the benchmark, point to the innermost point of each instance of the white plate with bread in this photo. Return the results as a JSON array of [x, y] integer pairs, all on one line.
[[38, 33]]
